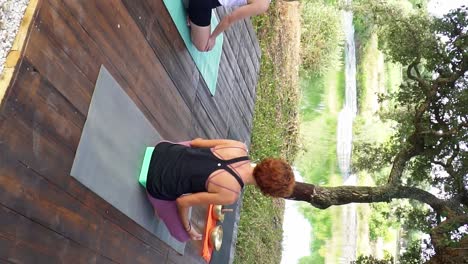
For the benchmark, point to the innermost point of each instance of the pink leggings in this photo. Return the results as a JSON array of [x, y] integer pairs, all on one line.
[[168, 213]]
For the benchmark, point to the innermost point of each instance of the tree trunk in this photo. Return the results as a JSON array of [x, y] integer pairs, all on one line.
[[324, 197], [447, 251]]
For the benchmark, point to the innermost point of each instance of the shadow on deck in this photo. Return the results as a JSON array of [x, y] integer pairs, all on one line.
[[46, 216]]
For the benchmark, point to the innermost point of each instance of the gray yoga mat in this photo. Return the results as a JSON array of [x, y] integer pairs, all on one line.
[[110, 154]]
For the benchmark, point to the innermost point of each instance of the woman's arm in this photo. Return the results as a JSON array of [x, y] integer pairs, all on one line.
[[203, 198], [209, 143], [255, 8]]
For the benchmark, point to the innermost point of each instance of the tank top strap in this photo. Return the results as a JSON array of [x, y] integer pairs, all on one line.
[[235, 175], [231, 171], [215, 148], [234, 160]]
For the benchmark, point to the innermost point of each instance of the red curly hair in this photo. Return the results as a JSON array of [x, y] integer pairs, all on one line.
[[274, 177]]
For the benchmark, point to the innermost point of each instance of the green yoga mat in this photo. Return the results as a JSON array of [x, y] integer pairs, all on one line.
[[207, 62]]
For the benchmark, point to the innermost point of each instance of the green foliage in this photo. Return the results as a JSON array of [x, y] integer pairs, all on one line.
[[380, 221], [372, 151], [421, 4], [313, 89], [388, 259], [448, 108], [321, 37], [413, 252], [430, 110], [414, 31], [311, 259], [318, 160], [393, 76], [396, 20], [321, 220], [363, 29], [415, 216], [340, 82]]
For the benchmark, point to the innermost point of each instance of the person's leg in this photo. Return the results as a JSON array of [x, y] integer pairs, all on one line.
[[167, 212], [199, 12]]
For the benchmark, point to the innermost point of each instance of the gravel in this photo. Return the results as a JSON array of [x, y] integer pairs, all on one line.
[[11, 13]]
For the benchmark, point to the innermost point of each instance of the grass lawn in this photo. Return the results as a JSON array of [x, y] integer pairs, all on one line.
[[275, 129]]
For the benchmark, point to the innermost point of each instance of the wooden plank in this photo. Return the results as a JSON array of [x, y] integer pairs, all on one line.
[[111, 214], [243, 32], [236, 76], [67, 48], [250, 41], [17, 48], [28, 193], [25, 241], [203, 125], [46, 151], [46, 160], [216, 112], [224, 101], [240, 121], [43, 116], [254, 41], [230, 32], [166, 42], [48, 60], [43, 106], [241, 103], [120, 39], [38, 146], [237, 92], [240, 43], [122, 219], [246, 67], [192, 255], [238, 130], [245, 71], [239, 127]]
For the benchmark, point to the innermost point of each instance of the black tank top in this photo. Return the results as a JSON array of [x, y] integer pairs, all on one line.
[[177, 169]]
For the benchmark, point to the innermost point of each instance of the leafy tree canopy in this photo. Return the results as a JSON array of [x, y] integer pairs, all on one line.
[[428, 153]]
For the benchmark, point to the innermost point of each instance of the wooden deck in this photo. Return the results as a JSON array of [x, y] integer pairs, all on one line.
[[46, 216]]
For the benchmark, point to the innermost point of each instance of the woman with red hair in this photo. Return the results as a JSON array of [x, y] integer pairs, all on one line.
[[202, 172]]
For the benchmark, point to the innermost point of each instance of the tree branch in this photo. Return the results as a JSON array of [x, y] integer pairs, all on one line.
[[450, 132], [455, 75], [399, 164], [416, 139], [441, 240], [324, 197], [417, 78], [438, 117]]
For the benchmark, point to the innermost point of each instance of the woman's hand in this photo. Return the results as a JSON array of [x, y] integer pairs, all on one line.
[[194, 235], [211, 43]]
